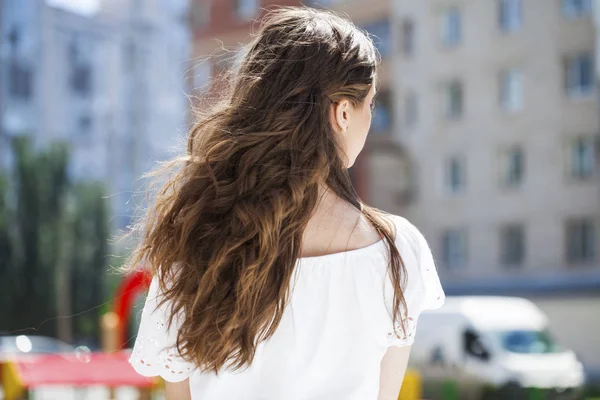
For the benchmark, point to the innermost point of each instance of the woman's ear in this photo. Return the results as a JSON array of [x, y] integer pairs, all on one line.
[[340, 115]]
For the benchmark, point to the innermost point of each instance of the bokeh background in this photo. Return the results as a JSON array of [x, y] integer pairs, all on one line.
[[485, 135]]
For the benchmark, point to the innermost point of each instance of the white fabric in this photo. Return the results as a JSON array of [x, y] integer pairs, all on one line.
[[333, 334]]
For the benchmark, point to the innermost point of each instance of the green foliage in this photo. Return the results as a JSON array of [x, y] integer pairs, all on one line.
[[89, 263], [53, 242]]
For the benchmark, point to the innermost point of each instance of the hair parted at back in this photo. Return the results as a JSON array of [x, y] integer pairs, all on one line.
[[224, 232]]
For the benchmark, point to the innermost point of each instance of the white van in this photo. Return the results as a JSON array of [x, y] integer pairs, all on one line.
[[484, 344]]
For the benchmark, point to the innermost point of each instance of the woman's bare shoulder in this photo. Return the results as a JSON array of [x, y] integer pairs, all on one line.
[[344, 228]]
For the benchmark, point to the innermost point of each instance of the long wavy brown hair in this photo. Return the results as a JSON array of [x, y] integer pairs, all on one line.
[[224, 231]]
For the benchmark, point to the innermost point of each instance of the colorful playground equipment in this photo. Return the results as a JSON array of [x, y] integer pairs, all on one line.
[[110, 370], [25, 373]]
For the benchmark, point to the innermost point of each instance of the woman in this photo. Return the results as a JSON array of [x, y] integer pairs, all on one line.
[[272, 280]]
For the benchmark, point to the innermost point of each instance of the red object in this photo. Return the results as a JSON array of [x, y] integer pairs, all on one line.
[[127, 291], [105, 369]]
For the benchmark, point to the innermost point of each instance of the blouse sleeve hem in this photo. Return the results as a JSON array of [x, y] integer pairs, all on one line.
[[151, 370], [401, 342]]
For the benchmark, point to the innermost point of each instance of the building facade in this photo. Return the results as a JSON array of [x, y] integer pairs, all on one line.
[[73, 86], [503, 136], [147, 103], [20, 70], [111, 84], [497, 109]]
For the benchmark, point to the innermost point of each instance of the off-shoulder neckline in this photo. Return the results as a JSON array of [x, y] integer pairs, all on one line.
[[344, 253]]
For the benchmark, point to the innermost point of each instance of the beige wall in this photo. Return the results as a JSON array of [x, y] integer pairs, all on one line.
[[547, 197], [388, 176]]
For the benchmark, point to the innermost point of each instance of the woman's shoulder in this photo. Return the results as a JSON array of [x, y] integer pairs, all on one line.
[[344, 230], [422, 267], [407, 232]]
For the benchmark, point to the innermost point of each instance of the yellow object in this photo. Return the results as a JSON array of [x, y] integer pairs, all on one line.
[[12, 385], [109, 332], [411, 386]]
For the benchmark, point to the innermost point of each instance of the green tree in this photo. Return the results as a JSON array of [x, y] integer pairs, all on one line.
[[89, 262], [6, 247], [40, 185], [53, 241]]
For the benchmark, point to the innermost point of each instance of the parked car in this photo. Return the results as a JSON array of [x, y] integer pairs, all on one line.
[[17, 345], [11, 346], [485, 344]]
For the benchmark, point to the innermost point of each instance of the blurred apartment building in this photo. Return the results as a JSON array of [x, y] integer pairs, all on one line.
[[497, 108], [20, 54], [485, 136], [110, 82]]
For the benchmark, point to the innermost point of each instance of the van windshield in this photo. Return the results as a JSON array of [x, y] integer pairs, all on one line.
[[528, 342]]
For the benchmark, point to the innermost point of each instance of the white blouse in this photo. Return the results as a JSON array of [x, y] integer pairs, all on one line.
[[331, 338]]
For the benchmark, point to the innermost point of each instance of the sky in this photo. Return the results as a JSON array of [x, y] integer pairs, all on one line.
[[78, 6]]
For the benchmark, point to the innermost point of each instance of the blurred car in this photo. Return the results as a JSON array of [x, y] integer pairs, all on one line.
[[497, 346], [11, 346]]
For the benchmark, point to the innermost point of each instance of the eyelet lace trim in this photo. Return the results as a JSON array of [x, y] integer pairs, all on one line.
[[154, 353], [148, 359], [397, 334]]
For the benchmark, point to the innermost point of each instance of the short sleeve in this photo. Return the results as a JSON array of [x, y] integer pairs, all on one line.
[[423, 289], [154, 352]]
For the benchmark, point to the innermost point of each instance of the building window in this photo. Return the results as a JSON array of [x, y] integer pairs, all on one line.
[[512, 244], [408, 37], [380, 32], [20, 80], [382, 114], [513, 169], [84, 125], [20, 74], [80, 79], [579, 74], [581, 240], [454, 248], [129, 58], [411, 109], [576, 8], [246, 9], [451, 27], [516, 167], [582, 157], [510, 15], [453, 100], [511, 90], [455, 175]]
